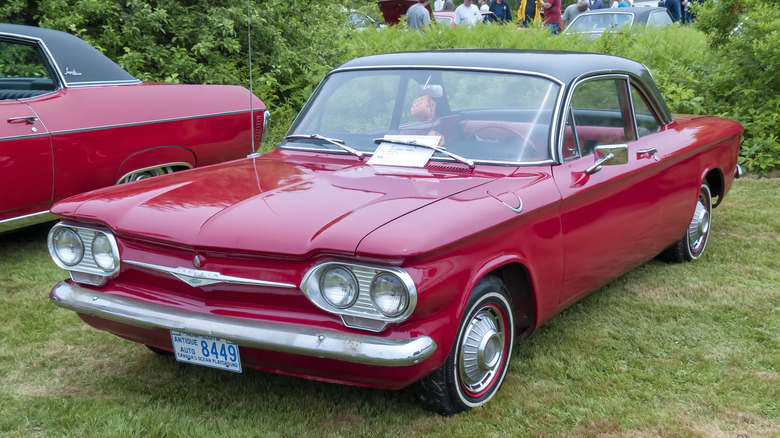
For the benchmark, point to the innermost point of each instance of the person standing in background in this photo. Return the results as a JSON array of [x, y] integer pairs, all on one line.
[[552, 15], [571, 13], [467, 14], [417, 15], [594, 4], [502, 10]]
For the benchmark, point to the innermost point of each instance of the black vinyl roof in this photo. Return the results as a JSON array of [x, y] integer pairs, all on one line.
[[566, 67], [640, 13], [76, 62]]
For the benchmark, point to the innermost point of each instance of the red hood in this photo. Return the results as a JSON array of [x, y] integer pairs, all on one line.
[[272, 204]]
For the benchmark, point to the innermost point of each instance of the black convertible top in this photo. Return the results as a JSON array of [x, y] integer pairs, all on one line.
[[565, 67], [76, 62]]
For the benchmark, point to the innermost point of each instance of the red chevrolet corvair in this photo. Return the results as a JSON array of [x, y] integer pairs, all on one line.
[[424, 211], [71, 120]]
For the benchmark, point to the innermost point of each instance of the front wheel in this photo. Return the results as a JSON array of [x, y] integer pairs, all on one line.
[[479, 359], [693, 243]]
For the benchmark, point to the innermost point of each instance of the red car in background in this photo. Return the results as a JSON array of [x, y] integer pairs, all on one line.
[[75, 121]]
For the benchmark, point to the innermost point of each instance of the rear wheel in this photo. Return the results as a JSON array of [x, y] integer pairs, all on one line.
[[478, 361], [693, 243]]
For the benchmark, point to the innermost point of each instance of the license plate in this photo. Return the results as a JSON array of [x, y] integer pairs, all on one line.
[[206, 350]]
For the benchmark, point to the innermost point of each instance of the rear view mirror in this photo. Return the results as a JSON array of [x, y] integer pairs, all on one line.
[[431, 90], [608, 155], [620, 152]]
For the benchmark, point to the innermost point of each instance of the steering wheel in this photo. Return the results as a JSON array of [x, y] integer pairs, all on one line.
[[506, 136]]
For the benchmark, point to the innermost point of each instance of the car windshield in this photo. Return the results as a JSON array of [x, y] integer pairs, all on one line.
[[600, 22], [485, 117]]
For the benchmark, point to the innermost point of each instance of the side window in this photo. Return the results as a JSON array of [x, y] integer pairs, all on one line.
[[23, 71], [599, 114], [659, 18], [645, 120]]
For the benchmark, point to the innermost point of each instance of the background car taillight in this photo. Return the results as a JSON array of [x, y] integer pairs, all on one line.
[[261, 125], [89, 254]]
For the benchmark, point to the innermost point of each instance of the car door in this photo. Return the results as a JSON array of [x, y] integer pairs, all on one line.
[[610, 214], [26, 163]]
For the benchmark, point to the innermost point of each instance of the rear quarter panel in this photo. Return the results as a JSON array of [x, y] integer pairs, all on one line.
[[690, 148], [97, 131]]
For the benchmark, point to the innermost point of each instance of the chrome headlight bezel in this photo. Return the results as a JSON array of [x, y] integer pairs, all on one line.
[[88, 269], [56, 249], [362, 313], [339, 274]]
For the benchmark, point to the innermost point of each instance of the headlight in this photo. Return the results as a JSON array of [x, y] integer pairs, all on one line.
[[339, 287], [365, 296], [389, 294], [103, 253], [89, 253], [67, 246]]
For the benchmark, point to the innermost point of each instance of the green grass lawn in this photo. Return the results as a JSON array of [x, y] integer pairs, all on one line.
[[689, 350]]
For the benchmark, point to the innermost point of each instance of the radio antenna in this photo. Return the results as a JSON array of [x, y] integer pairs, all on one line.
[[252, 129]]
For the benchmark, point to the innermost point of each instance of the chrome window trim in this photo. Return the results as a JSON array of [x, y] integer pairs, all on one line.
[[47, 55], [58, 73], [551, 133], [567, 104]]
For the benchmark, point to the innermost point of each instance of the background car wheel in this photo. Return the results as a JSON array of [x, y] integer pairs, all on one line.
[[693, 243], [478, 361], [149, 173]]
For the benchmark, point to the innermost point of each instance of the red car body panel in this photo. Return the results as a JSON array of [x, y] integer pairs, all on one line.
[[550, 229], [86, 137]]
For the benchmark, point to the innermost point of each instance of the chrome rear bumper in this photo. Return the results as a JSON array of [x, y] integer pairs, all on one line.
[[328, 344]]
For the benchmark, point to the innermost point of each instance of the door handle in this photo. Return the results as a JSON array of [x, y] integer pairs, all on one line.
[[647, 153], [30, 120]]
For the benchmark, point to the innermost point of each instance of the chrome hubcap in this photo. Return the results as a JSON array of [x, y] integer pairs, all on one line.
[[482, 350], [700, 225]]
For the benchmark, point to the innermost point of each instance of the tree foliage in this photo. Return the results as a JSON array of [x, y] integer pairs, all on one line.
[[732, 68]]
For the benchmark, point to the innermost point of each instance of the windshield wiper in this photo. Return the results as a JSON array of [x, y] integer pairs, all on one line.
[[333, 141], [455, 157]]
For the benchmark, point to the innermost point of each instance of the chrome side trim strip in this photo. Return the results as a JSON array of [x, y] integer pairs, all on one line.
[[199, 278], [26, 221], [148, 122], [305, 341]]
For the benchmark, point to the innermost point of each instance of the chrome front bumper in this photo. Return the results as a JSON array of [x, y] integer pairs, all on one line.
[[305, 341]]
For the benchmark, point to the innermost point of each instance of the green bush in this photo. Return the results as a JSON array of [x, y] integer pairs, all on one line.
[[744, 82], [728, 64]]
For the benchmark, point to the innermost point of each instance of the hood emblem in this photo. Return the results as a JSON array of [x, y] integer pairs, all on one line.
[[197, 261], [201, 278], [197, 278]]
